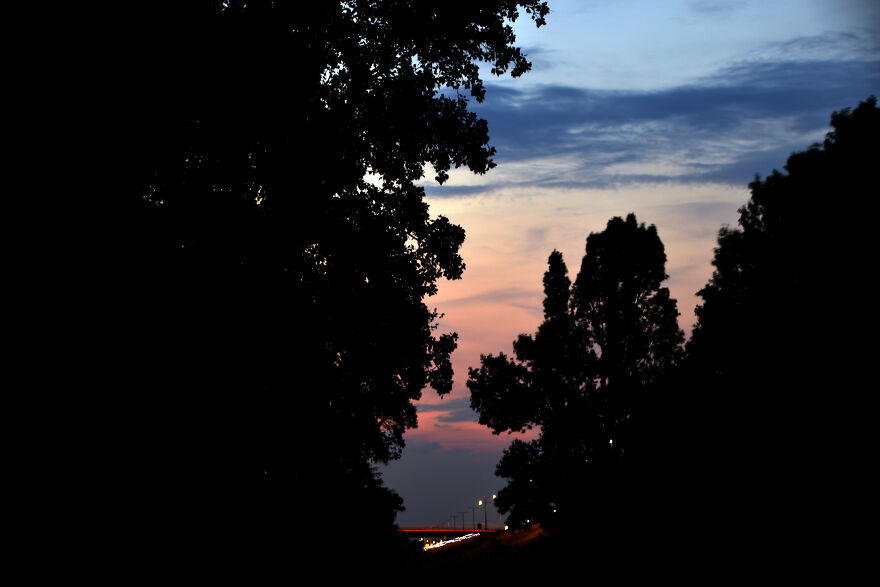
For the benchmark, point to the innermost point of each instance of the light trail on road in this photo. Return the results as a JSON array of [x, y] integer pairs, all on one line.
[[450, 541]]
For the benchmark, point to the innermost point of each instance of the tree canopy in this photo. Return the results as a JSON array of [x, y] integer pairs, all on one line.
[[774, 365], [583, 377], [781, 293], [267, 254]]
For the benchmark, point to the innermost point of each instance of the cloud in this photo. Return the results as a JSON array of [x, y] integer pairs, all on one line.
[[507, 295], [831, 46], [744, 119], [715, 8], [451, 411]]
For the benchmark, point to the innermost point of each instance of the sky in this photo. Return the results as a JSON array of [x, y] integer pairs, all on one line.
[[664, 109]]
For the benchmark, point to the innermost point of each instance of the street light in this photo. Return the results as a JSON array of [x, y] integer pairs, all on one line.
[[484, 503]]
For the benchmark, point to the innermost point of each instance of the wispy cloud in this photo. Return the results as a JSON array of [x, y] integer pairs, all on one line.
[[743, 120], [715, 8], [507, 295], [450, 411]]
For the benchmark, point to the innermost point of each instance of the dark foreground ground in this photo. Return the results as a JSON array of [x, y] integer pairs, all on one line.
[[670, 551], [501, 550], [526, 549]]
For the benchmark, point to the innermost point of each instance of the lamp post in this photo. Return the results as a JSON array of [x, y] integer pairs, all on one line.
[[484, 503], [500, 520]]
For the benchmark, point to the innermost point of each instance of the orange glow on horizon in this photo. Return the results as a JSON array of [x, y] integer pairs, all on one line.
[[509, 235]]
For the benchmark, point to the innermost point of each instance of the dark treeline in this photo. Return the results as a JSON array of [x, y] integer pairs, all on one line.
[[259, 305], [777, 365], [732, 440]]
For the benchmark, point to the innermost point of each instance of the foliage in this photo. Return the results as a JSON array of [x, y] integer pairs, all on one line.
[[774, 379], [771, 355], [268, 254], [581, 379]]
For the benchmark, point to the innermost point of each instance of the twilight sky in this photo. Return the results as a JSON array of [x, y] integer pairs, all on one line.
[[664, 109]]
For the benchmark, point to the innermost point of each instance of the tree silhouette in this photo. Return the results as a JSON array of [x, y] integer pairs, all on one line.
[[266, 253], [582, 378], [773, 359]]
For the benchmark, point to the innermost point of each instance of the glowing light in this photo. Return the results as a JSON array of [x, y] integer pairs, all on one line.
[[450, 541]]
